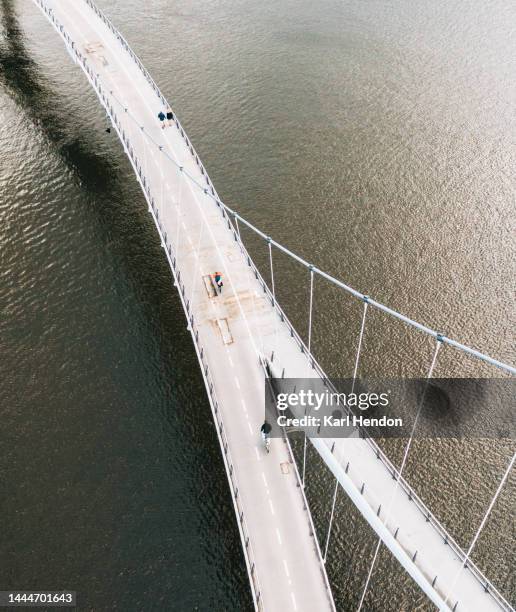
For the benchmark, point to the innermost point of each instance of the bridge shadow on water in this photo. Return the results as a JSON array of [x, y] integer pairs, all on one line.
[[99, 175], [177, 530], [21, 76]]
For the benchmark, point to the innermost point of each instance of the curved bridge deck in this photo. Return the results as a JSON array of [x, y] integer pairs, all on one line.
[[283, 556], [231, 332]]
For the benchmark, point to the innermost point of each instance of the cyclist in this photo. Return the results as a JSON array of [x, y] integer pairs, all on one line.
[[266, 432], [266, 429], [218, 281]]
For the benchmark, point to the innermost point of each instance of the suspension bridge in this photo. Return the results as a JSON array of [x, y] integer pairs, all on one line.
[[241, 336]]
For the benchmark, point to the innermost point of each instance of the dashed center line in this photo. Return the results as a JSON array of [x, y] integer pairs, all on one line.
[[286, 568], [278, 535]]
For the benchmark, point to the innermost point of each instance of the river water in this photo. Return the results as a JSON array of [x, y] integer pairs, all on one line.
[[376, 140]]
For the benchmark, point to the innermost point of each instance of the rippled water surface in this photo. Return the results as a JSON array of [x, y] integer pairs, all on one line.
[[375, 139]]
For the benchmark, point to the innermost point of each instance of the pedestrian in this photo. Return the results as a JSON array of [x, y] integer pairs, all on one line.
[[162, 117], [218, 281], [170, 116]]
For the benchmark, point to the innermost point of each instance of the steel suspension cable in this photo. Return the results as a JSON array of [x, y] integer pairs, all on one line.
[[462, 347], [400, 471], [235, 218], [482, 524], [304, 458], [355, 370], [310, 311], [272, 273], [359, 347], [331, 518]]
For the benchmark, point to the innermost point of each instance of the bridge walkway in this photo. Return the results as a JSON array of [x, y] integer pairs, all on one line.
[[234, 327]]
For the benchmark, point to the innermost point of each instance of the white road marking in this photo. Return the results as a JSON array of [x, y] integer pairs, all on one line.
[[231, 361], [272, 507], [293, 600], [279, 536], [286, 568], [257, 453], [237, 383], [265, 480], [250, 428]]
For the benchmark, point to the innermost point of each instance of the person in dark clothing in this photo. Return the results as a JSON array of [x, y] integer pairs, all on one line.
[[218, 281], [170, 116], [266, 428], [162, 117], [266, 435]]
